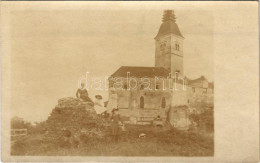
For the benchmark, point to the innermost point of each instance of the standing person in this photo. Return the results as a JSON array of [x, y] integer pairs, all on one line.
[[115, 126], [112, 102], [82, 94], [99, 105]]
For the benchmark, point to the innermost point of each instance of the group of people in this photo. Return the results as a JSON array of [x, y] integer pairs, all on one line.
[[110, 109]]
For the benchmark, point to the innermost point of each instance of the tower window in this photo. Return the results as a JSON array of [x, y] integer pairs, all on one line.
[[193, 90], [177, 46], [125, 86], [141, 102], [157, 86]]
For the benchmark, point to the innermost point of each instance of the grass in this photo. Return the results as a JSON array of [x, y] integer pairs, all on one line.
[[158, 142]]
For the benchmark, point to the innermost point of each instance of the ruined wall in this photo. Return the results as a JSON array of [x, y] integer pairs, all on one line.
[[152, 97], [177, 100], [200, 96], [179, 117], [179, 96], [129, 100]]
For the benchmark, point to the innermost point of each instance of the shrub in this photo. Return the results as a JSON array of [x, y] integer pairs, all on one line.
[[204, 120]]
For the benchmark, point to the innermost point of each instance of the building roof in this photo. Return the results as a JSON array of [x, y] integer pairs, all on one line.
[[200, 79], [198, 82], [169, 25], [141, 72]]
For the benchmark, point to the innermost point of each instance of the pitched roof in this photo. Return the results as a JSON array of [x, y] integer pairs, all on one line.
[[168, 27], [200, 79], [141, 72], [198, 82]]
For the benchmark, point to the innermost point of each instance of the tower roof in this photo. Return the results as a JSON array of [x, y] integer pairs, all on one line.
[[169, 25]]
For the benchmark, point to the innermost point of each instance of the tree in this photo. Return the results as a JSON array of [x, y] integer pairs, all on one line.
[[19, 123]]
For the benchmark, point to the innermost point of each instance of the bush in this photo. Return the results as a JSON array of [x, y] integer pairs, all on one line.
[[18, 148], [204, 120], [19, 123]]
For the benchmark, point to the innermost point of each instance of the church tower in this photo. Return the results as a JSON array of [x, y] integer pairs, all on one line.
[[169, 45]]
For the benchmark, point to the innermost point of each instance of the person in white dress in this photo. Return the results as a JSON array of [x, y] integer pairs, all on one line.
[[112, 101], [99, 104]]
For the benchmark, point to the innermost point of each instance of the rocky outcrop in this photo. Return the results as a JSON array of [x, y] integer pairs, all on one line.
[[72, 118]]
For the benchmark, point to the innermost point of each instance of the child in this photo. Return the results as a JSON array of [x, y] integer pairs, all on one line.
[[99, 105]]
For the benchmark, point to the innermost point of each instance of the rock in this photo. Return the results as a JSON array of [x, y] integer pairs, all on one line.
[[142, 135], [77, 117]]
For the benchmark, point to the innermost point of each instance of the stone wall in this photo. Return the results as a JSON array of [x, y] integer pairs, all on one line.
[[179, 95], [129, 101], [178, 117], [200, 96]]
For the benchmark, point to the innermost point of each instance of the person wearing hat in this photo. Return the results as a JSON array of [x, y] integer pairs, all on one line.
[[115, 125], [99, 104], [82, 94]]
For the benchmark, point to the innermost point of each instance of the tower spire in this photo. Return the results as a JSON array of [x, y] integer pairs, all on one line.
[[168, 15]]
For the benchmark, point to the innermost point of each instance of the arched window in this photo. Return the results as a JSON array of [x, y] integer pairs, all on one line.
[[163, 102], [141, 102], [177, 46]]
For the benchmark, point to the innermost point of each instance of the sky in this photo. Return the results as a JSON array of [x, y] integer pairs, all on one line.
[[51, 49]]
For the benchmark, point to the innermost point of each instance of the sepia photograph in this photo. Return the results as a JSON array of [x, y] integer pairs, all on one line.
[[133, 94], [113, 82]]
